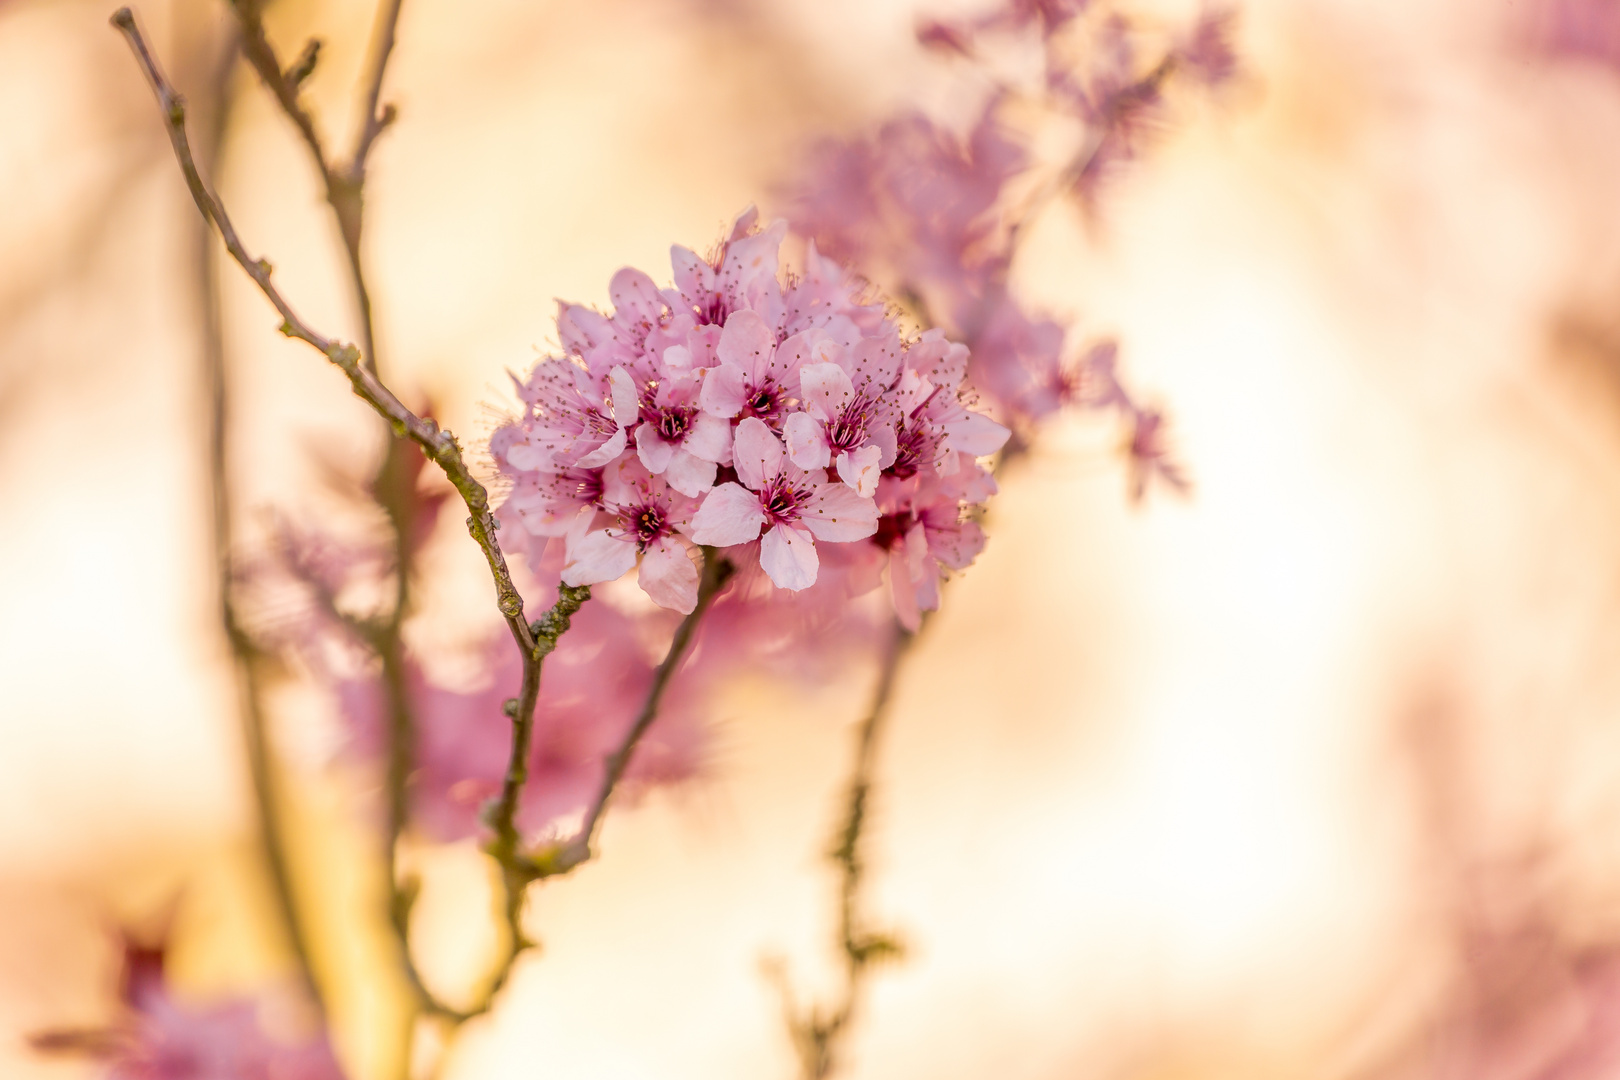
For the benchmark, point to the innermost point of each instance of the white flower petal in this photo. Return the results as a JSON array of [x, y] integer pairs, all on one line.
[[604, 453], [860, 470], [653, 450], [597, 557], [669, 577], [709, 437], [788, 557], [825, 389], [756, 453], [977, 434], [689, 474], [722, 393], [834, 512], [746, 341], [730, 514], [806, 442]]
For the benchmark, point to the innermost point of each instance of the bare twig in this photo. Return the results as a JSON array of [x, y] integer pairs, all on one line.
[[375, 121], [817, 1034], [441, 447], [716, 572]]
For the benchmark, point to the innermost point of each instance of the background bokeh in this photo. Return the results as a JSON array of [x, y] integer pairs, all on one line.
[[1245, 784]]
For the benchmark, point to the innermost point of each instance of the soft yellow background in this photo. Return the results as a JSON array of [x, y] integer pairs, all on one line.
[[1185, 790]]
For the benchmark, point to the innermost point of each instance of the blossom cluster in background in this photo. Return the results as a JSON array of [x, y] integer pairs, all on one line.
[[935, 216]]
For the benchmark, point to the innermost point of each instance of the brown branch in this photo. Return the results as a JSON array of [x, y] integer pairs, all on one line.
[[440, 446], [376, 122], [716, 572], [519, 869]]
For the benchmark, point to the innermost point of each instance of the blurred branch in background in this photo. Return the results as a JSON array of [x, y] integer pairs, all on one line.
[[819, 1033], [249, 661]]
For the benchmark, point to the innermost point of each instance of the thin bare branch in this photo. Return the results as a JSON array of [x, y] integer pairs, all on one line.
[[376, 118], [440, 446], [716, 572]]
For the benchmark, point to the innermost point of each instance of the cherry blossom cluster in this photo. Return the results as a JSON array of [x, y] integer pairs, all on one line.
[[936, 215], [770, 420]]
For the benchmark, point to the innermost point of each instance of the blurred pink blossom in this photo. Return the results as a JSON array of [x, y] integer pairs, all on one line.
[[591, 690], [160, 1038]]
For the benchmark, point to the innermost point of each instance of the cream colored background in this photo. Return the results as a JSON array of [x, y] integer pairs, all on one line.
[[1151, 806]]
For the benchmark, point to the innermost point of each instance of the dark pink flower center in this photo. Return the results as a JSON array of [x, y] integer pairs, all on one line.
[[891, 530], [671, 421], [598, 421], [649, 523], [583, 485], [847, 430], [781, 501], [911, 442], [764, 401]]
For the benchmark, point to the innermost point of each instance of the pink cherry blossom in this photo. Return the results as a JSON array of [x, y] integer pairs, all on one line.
[[793, 506], [158, 1037], [575, 418], [648, 518], [754, 377], [676, 438]]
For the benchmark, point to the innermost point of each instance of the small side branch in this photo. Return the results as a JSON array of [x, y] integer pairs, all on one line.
[[716, 572]]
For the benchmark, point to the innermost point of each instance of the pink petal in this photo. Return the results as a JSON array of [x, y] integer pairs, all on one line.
[[903, 592], [709, 437], [604, 453], [956, 546], [806, 442], [747, 342], [624, 397], [788, 557], [834, 512], [527, 457], [722, 393], [888, 444], [794, 353], [860, 470], [652, 449], [669, 577], [582, 329], [597, 557], [826, 389], [730, 514], [976, 434], [635, 297], [756, 453], [689, 474], [694, 277]]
